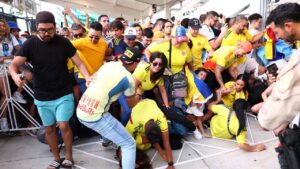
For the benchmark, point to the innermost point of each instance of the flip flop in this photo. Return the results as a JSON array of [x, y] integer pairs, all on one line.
[[67, 163], [54, 165]]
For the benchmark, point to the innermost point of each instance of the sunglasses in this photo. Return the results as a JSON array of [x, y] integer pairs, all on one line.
[[94, 37], [79, 35], [159, 64]]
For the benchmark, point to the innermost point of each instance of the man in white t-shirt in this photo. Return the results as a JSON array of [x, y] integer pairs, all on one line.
[[206, 30]]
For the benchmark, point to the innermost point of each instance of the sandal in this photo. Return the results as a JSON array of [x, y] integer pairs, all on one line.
[[67, 163], [54, 165]]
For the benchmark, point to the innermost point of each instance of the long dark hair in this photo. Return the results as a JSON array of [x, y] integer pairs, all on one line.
[[239, 107], [155, 76], [244, 78]]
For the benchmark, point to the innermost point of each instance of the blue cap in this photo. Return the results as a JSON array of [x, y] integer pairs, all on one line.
[[13, 25], [178, 31]]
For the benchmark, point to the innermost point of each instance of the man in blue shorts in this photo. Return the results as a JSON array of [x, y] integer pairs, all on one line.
[[52, 86]]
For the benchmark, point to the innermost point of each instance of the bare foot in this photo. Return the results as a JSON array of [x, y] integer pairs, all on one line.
[[206, 135]]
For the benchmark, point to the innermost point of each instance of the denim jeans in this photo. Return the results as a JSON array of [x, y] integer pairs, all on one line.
[[112, 129], [81, 83]]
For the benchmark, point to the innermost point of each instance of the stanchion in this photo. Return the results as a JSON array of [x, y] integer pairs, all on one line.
[[11, 105]]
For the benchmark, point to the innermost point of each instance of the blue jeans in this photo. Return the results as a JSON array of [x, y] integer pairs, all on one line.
[[112, 129], [81, 83]]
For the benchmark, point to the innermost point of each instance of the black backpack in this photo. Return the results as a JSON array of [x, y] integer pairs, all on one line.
[[289, 152]]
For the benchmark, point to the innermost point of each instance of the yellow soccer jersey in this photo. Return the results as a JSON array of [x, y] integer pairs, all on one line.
[[199, 43], [218, 124], [142, 74], [225, 56], [144, 111], [180, 56], [232, 39], [229, 98]]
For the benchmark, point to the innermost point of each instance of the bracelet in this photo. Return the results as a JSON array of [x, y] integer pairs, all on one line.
[[171, 163]]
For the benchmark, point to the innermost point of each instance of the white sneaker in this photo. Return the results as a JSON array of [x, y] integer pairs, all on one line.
[[4, 124], [19, 97], [195, 111], [197, 134]]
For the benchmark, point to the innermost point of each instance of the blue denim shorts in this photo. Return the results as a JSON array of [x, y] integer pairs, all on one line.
[[58, 110]]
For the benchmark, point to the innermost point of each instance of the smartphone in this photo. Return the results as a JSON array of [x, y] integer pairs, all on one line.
[[272, 69], [154, 8]]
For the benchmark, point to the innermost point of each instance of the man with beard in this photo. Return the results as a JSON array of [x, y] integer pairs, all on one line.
[[282, 106], [237, 33], [49, 54]]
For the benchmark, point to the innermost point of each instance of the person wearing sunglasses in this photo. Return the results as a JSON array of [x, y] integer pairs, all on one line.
[[92, 51], [149, 75], [53, 95], [118, 45], [78, 31]]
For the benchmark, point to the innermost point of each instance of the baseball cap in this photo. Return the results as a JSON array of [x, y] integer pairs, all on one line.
[[130, 33], [246, 46], [130, 56], [13, 25], [194, 23], [45, 17], [179, 33]]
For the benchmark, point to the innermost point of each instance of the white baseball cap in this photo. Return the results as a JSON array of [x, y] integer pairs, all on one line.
[[130, 33]]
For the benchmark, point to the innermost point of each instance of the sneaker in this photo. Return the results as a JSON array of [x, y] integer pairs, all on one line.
[[4, 124], [106, 143], [195, 111], [19, 97], [197, 134]]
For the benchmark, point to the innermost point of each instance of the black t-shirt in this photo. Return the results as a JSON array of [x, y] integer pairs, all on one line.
[[49, 60]]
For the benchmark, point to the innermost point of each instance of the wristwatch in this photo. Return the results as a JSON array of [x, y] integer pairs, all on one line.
[[171, 163]]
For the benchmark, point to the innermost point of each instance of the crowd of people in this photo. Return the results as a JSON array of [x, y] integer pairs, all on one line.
[[147, 85]]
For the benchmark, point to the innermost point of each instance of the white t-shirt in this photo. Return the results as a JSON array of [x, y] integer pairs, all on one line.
[[207, 32], [21, 40], [7, 47]]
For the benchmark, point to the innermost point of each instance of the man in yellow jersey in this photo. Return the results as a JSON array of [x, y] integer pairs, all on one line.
[[223, 64], [237, 33], [148, 125], [92, 51], [200, 42]]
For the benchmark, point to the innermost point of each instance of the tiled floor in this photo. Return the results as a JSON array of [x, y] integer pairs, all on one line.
[[25, 152]]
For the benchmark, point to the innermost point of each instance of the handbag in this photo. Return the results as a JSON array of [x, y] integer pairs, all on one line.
[[178, 80]]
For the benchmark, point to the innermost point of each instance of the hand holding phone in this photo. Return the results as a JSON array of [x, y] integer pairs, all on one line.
[[272, 69], [154, 8]]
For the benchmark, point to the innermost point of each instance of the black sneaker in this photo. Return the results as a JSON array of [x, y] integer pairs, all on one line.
[[106, 143]]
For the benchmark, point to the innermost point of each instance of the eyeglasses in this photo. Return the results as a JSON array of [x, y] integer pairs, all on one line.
[[159, 64], [94, 37], [43, 31], [79, 35]]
